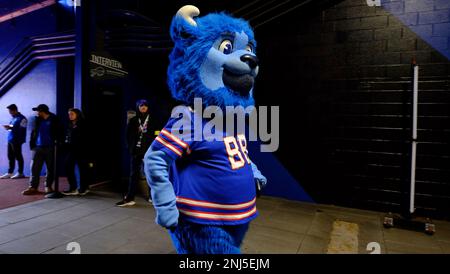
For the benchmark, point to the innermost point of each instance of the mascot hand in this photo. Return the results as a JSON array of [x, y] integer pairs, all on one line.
[[260, 180], [260, 184], [167, 217]]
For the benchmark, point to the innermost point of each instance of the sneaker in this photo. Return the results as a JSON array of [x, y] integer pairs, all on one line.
[[82, 193], [6, 176], [48, 190], [124, 203], [30, 191], [70, 192], [18, 176]]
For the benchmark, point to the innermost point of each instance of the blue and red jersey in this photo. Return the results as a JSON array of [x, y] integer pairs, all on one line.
[[213, 179]]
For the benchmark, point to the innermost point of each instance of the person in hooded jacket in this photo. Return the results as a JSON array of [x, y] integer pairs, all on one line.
[[140, 135]]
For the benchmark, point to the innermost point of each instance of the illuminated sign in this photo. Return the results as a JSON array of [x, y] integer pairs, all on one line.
[[102, 67]]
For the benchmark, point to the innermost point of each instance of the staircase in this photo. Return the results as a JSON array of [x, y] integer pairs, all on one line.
[[30, 51]]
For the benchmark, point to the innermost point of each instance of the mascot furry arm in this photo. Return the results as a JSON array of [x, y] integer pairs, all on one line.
[[198, 187]]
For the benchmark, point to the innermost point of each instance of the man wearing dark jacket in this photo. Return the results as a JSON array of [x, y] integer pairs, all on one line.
[[46, 134], [16, 137], [140, 135]]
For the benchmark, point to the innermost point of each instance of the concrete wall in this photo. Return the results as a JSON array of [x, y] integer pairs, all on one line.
[[37, 86]]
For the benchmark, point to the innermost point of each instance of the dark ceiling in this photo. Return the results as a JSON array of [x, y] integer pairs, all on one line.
[[7, 6], [260, 13]]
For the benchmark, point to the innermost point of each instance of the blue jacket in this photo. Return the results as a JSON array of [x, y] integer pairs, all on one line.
[[56, 130], [18, 132]]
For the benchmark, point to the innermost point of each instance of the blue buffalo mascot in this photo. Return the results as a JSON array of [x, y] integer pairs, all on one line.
[[203, 189]]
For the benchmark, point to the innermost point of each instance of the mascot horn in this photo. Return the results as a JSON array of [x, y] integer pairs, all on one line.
[[204, 190]]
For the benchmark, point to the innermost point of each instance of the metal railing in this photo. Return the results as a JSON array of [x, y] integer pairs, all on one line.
[[31, 50]]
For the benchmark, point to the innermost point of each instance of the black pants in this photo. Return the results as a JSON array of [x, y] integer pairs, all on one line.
[[39, 156], [135, 175], [76, 159], [15, 153]]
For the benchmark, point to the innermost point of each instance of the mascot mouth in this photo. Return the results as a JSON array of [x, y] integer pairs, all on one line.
[[241, 84]]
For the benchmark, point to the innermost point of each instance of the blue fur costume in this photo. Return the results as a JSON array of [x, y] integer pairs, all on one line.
[[213, 59]]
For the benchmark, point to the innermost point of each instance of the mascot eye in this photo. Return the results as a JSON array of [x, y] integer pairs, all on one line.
[[249, 48], [226, 47]]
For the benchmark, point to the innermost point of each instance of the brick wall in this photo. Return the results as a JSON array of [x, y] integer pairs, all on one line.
[[429, 19], [345, 73]]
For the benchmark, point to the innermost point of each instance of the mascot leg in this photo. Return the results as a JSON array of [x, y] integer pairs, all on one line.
[[190, 238]]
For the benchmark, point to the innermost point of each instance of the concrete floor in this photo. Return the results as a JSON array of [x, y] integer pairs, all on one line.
[[47, 226]]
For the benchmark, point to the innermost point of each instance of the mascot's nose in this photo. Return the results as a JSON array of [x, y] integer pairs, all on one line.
[[251, 60]]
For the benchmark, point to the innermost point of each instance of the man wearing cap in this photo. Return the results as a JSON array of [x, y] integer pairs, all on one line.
[[16, 137], [46, 133], [140, 135]]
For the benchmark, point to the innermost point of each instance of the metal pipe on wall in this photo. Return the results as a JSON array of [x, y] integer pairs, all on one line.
[[415, 103], [79, 55]]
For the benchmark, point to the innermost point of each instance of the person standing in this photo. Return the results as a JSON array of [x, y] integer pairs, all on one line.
[[16, 137], [46, 134], [75, 145], [140, 135]]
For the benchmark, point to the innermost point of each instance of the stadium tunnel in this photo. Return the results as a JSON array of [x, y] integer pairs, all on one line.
[[339, 70]]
